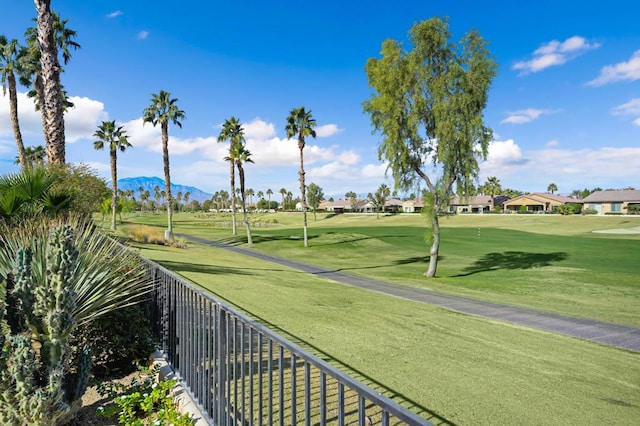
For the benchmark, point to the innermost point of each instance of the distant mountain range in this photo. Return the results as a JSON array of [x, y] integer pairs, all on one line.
[[148, 183]]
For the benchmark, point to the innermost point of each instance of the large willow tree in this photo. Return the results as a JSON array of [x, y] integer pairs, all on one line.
[[427, 104]]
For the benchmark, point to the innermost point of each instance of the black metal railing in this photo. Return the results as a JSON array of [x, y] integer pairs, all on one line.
[[240, 372]]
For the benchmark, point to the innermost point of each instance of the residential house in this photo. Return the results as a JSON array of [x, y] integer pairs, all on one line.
[[413, 206], [476, 204], [537, 202], [612, 201]]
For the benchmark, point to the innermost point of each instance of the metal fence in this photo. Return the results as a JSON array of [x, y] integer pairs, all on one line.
[[241, 373]]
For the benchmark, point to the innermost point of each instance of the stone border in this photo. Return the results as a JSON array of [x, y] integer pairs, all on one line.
[[186, 405]]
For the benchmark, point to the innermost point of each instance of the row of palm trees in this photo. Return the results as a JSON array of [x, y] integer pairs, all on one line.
[[38, 68]]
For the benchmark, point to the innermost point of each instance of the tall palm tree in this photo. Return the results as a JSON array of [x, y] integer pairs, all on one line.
[[52, 35], [10, 53], [552, 188], [164, 109], [283, 192], [116, 139], [233, 132], [269, 194], [300, 124], [250, 194], [186, 199], [240, 155]]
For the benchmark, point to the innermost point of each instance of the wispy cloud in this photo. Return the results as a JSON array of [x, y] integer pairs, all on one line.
[[631, 108], [114, 14], [327, 130], [142, 35], [629, 71], [526, 115], [554, 53]]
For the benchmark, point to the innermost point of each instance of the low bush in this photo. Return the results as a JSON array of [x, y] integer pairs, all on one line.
[[120, 340], [146, 402], [145, 234]]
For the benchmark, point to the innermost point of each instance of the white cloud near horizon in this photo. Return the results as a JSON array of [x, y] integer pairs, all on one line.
[[525, 115], [114, 14], [622, 71], [570, 169], [554, 53]]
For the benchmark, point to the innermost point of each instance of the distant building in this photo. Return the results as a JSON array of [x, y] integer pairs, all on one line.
[[605, 202], [476, 204], [538, 202]]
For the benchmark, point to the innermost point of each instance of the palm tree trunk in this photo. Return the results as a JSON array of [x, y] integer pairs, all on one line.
[[244, 207], [303, 198], [114, 185], [52, 108], [13, 112], [167, 178], [233, 197]]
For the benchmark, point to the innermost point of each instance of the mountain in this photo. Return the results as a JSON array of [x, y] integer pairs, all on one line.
[[148, 183]]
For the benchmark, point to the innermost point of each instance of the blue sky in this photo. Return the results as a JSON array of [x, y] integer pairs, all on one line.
[[564, 108]]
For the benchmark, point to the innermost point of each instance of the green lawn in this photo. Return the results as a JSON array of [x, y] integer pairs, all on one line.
[[438, 363], [551, 263]]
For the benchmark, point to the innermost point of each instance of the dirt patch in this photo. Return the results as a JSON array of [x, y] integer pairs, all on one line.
[[91, 400]]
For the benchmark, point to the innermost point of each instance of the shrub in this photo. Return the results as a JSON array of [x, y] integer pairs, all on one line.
[[120, 339], [145, 234], [633, 209], [147, 402]]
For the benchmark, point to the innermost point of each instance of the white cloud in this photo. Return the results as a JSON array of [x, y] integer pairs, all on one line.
[[259, 129], [82, 120], [29, 118], [525, 115], [327, 130], [629, 70], [569, 169], [630, 108], [554, 53], [114, 14], [552, 143], [146, 136], [142, 35]]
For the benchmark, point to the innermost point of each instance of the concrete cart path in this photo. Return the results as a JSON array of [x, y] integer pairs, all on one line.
[[621, 336]]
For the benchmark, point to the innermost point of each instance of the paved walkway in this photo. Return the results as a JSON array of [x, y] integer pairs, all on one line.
[[621, 336]]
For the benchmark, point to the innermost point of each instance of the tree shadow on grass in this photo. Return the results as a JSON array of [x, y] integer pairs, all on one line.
[[203, 269], [512, 260]]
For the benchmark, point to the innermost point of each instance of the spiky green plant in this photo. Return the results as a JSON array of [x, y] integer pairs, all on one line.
[[55, 274]]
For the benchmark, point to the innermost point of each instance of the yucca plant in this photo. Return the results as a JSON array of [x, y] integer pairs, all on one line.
[[56, 274]]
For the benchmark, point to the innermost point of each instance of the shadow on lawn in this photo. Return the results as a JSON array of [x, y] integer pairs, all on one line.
[[512, 260], [203, 269]]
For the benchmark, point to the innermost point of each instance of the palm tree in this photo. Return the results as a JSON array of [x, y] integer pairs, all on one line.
[[301, 124], [239, 155], [10, 53], [233, 132], [269, 194], [116, 139], [260, 195], [186, 199], [250, 194], [492, 188], [552, 188], [156, 195], [283, 192], [35, 156], [162, 110], [51, 34]]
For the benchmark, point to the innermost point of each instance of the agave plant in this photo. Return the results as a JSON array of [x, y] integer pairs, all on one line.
[[55, 274]]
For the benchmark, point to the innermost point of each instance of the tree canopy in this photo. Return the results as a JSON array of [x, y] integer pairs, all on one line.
[[428, 104]]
